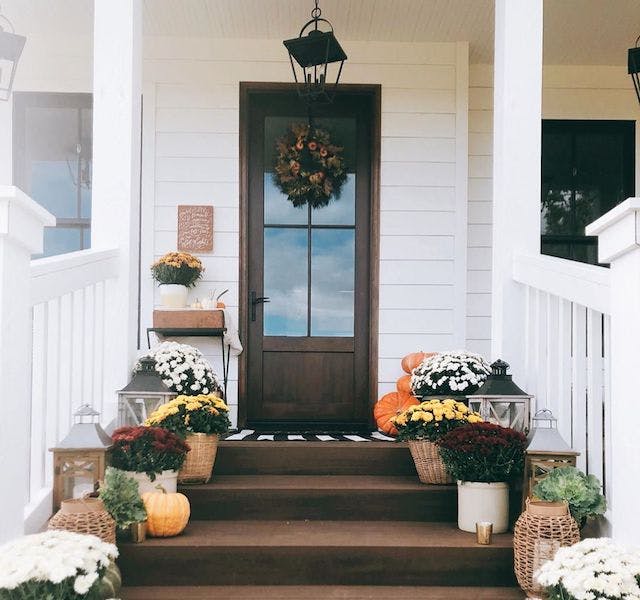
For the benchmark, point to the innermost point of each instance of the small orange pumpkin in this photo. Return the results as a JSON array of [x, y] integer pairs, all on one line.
[[411, 361], [404, 384], [167, 514], [389, 406]]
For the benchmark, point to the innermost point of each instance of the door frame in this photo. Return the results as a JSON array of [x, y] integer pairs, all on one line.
[[373, 91]]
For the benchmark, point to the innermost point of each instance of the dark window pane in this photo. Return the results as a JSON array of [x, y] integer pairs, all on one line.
[[587, 169], [332, 282], [339, 211], [285, 281]]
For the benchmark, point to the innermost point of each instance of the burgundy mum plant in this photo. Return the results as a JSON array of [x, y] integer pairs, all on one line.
[[483, 452], [149, 450]]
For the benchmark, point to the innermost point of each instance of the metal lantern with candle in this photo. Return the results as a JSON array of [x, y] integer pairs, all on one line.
[[142, 395], [546, 451], [499, 400], [80, 459], [313, 51]]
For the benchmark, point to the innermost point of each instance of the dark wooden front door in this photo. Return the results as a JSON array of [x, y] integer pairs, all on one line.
[[308, 348]]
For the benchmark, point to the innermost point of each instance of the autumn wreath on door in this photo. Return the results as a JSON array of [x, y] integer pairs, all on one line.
[[309, 167]]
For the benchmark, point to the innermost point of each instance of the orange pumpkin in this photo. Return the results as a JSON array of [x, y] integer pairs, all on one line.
[[404, 384], [389, 406], [411, 361], [167, 514]]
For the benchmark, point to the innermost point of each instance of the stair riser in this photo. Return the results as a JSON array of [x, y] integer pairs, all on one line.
[[370, 505], [294, 458], [482, 566]]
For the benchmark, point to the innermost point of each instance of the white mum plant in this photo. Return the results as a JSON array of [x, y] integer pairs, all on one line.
[[184, 369], [54, 565], [449, 373], [592, 569]]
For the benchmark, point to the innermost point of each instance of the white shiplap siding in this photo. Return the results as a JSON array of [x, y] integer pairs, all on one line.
[[195, 85]]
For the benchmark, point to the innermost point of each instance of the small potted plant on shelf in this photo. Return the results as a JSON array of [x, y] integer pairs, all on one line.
[[199, 419], [422, 425], [183, 369], [176, 272], [121, 498], [449, 374], [58, 564], [580, 491], [149, 455], [483, 458], [593, 568]]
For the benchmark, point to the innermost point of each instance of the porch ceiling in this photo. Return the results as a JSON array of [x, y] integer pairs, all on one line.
[[576, 31]]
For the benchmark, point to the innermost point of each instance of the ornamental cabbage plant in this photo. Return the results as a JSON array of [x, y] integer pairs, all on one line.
[[449, 373], [595, 568], [54, 565], [580, 491]]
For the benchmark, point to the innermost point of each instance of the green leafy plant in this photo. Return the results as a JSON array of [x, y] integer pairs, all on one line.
[[483, 452], [580, 491], [121, 498]]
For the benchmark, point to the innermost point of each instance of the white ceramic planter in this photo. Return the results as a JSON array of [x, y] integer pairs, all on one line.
[[488, 502], [173, 295], [167, 479]]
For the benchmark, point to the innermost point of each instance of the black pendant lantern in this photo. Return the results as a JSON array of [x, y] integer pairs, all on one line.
[[11, 46], [311, 54], [634, 67]]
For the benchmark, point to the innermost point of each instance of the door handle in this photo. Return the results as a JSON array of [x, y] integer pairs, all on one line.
[[255, 300]]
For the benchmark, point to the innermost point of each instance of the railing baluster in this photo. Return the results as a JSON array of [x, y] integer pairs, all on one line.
[[579, 384], [38, 399], [594, 394], [564, 368], [52, 375]]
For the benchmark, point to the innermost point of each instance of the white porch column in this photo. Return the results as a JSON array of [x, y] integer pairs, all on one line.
[[618, 234], [117, 89], [21, 226], [517, 106]]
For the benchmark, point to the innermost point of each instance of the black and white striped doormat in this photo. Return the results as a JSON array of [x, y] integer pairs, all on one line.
[[250, 435]]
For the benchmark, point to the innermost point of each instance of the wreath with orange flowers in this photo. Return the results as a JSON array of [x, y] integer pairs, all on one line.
[[309, 168]]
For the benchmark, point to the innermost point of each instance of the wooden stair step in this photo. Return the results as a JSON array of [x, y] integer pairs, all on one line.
[[319, 553], [314, 458], [320, 593], [321, 497]]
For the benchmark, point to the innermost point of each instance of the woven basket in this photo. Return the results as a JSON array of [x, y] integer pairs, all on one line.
[[429, 465], [198, 464], [540, 530], [85, 515]]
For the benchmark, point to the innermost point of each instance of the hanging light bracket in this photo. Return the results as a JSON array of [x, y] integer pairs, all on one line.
[[634, 66]]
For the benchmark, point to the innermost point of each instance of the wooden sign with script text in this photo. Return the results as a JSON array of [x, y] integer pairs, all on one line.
[[195, 228]]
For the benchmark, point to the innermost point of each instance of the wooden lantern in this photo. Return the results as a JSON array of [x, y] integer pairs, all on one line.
[[499, 400], [80, 459], [546, 451], [142, 395]]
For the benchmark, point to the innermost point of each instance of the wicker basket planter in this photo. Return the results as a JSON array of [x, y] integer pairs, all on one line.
[[540, 530], [85, 515], [429, 465], [198, 465]]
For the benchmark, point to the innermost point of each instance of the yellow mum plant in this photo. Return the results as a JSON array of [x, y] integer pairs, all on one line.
[[431, 419], [206, 413], [179, 268]]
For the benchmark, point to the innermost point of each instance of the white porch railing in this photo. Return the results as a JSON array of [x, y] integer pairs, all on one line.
[[567, 327], [71, 297]]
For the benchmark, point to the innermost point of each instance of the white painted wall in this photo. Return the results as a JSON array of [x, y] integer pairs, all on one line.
[[569, 92], [423, 200]]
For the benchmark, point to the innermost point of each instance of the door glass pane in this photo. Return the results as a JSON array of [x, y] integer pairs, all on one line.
[[332, 282], [277, 208], [285, 281], [339, 211]]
